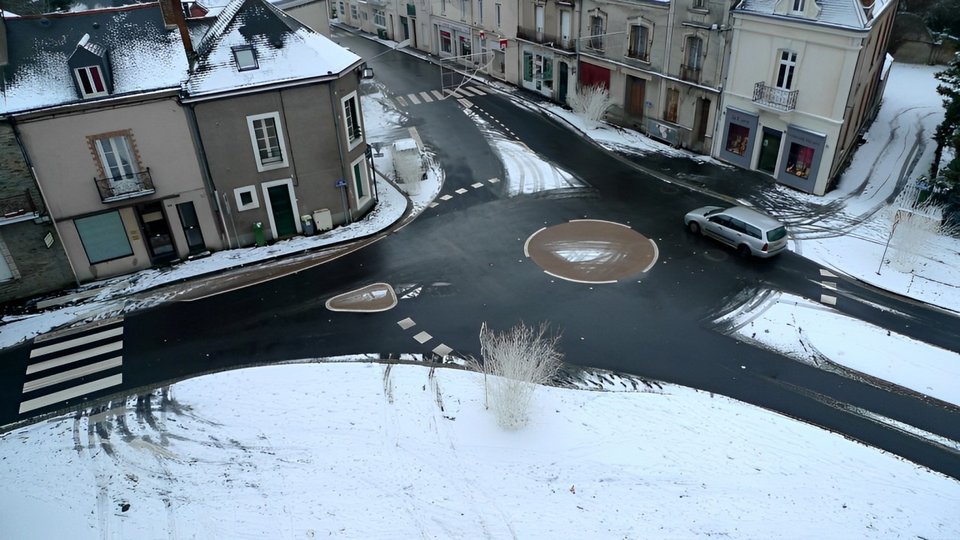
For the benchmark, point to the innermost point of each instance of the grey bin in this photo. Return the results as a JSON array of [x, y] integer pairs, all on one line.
[[308, 228]]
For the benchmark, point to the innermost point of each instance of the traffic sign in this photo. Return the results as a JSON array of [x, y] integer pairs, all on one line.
[[341, 183]]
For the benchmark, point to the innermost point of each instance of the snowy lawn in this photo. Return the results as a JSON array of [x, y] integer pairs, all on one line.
[[365, 451]]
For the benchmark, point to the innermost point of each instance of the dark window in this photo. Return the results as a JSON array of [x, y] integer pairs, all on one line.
[[104, 237]]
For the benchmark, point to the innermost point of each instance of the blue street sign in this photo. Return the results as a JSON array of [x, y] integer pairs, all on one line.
[[341, 183]]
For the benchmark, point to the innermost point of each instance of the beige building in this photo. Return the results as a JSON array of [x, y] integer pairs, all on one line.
[[662, 62], [547, 35], [804, 79]]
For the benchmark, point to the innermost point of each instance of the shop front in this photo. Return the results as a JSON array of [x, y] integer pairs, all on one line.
[[739, 135], [800, 159]]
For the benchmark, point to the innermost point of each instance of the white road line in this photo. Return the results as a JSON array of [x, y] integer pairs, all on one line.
[[831, 285], [433, 205], [446, 197], [826, 273], [69, 358], [478, 91], [70, 393], [413, 99], [477, 185], [437, 94], [442, 350], [406, 323], [493, 180], [422, 337], [40, 351], [466, 103], [401, 101], [827, 299], [454, 93], [460, 191], [104, 365], [426, 97], [467, 91]]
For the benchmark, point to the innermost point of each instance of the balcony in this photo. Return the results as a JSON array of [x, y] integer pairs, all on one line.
[[545, 39], [776, 98], [17, 208], [691, 74], [118, 188]]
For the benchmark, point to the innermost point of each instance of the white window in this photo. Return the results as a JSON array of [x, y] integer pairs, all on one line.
[[538, 18], [352, 123], [246, 198], [788, 63], [353, 11], [245, 57], [379, 18], [267, 139], [596, 32], [463, 9], [91, 81], [694, 52], [117, 158], [361, 183]]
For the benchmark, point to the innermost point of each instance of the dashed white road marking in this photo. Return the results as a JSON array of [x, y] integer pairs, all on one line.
[[413, 99], [422, 337], [826, 273], [465, 102], [437, 94], [426, 97], [401, 101], [493, 180], [406, 323], [831, 285], [446, 197], [477, 185], [827, 299], [460, 191], [442, 350]]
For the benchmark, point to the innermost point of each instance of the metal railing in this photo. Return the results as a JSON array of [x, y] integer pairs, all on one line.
[[115, 188], [543, 38], [17, 205], [689, 73], [777, 98]]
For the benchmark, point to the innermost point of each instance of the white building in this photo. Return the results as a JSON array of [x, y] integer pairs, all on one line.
[[804, 78]]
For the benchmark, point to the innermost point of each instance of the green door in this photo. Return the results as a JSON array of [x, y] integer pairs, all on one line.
[[282, 210], [769, 150]]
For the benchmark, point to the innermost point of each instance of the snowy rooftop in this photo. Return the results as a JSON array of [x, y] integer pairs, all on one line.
[[285, 50], [843, 13], [144, 56]]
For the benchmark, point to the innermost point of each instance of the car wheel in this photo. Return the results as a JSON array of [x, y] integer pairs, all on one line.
[[694, 227], [743, 250]]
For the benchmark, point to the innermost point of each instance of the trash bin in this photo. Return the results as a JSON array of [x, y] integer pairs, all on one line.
[[307, 221], [259, 235]]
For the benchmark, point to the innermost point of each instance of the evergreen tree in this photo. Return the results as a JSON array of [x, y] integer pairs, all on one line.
[[948, 132]]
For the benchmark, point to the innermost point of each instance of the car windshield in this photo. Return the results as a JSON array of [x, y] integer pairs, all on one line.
[[714, 211], [776, 234]]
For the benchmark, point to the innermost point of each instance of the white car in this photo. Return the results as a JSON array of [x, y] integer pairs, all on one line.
[[748, 231]]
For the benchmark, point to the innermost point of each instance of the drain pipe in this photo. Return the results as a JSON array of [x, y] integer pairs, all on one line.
[[43, 197]]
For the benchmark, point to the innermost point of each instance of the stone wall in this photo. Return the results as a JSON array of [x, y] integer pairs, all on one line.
[[36, 268]]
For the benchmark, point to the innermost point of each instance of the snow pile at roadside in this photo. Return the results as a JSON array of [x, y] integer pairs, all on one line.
[[366, 450]]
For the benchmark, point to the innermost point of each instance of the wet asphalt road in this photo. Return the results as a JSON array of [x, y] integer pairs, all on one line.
[[462, 264]]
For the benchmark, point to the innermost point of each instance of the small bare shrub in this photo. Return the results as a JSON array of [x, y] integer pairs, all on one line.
[[590, 102], [514, 363]]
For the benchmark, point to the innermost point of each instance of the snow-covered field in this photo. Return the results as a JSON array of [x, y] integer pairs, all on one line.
[[358, 450]]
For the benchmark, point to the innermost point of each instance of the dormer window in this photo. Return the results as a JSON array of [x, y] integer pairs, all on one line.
[[91, 82], [798, 6], [246, 58], [90, 65]]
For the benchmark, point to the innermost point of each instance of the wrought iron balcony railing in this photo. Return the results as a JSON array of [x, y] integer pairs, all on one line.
[[128, 186], [543, 38], [777, 98], [689, 73], [17, 205]]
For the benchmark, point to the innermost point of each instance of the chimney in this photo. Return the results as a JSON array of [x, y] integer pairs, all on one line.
[[173, 17]]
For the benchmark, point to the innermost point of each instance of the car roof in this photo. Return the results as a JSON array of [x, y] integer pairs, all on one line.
[[753, 217]]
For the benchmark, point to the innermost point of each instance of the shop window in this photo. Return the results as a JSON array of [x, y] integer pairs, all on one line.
[[446, 44], [737, 138], [799, 160]]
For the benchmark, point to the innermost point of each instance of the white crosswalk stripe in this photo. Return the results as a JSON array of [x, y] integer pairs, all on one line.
[[426, 97], [429, 96], [63, 368], [413, 99], [437, 94]]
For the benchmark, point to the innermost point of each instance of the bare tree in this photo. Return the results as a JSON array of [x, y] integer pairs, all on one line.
[[514, 363], [917, 221], [590, 102]]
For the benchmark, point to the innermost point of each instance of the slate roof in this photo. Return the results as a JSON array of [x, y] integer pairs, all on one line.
[[286, 50], [838, 13], [146, 57]]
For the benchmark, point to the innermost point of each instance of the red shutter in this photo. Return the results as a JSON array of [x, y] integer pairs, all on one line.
[[591, 75]]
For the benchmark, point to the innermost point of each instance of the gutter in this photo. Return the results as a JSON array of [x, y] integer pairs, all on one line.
[[185, 97]]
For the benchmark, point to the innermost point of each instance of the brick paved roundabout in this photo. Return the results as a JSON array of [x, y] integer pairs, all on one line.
[[591, 251]]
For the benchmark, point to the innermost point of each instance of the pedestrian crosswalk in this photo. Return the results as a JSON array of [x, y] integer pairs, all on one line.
[[460, 94], [64, 367]]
